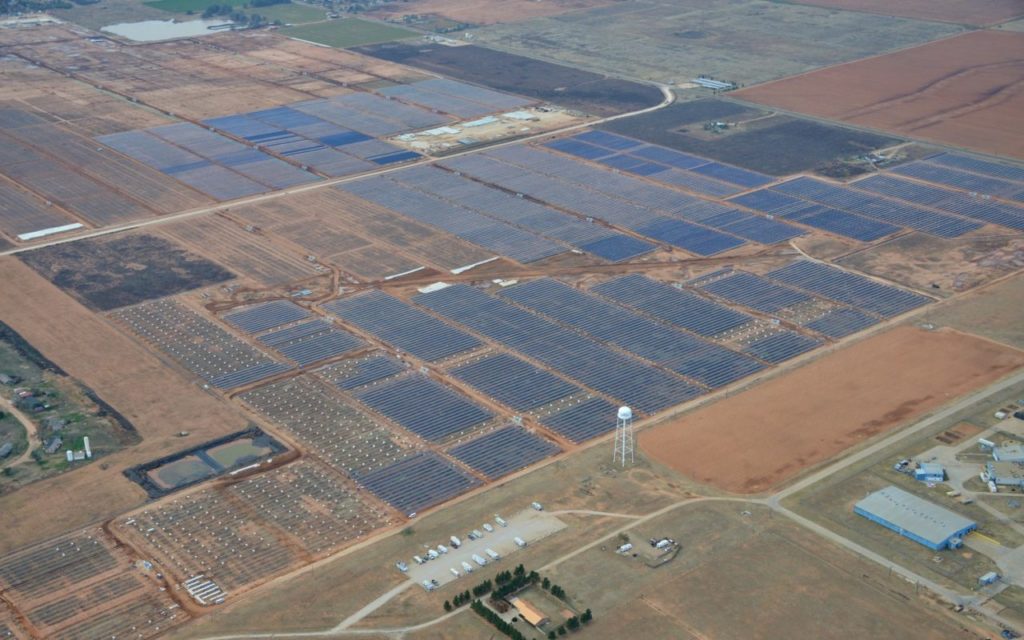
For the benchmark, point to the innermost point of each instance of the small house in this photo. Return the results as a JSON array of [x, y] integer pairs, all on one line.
[[529, 613]]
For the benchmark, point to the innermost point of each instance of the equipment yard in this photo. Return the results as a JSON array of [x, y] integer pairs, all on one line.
[[439, 319]]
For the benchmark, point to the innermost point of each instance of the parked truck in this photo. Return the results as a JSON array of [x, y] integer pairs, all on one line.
[[519, 541], [468, 568], [493, 554], [479, 560]]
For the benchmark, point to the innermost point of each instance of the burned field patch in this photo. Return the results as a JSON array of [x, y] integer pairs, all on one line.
[[572, 88], [753, 139], [107, 273]]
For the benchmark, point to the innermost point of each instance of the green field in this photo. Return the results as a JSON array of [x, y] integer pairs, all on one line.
[[350, 32], [184, 6], [288, 13]]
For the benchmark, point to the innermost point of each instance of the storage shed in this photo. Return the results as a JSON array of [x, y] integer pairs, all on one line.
[[930, 472], [916, 518]]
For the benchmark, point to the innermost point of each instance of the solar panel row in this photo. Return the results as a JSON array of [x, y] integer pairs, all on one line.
[[503, 451], [647, 388], [353, 373], [840, 323], [497, 236], [417, 482], [583, 421], [848, 288], [781, 346], [514, 382], [402, 326], [979, 166], [314, 347], [755, 292], [675, 306], [266, 315], [425, 407], [707, 363], [957, 179]]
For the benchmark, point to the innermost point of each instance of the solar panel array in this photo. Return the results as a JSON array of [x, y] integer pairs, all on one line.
[[583, 421], [848, 288], [840, 323], [979, 166], [545, 221], [420, 481], [424, 406], [675, 306], [974, 207], [457, 98], [500, 237], [710, 364], [331, 147], [939, 171], [781, 346], [661, 163], [503, 451], [755, 292], [647, 388], [217, 166], [402, 326], [311, 342], [353, 373], [266, 315], [514, 382]]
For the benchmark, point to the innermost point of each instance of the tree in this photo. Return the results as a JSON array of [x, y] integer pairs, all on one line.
[[573, 623], [546, 584], [520, 570], [586, 617], [551, 635], [447, 605], [561, 630]]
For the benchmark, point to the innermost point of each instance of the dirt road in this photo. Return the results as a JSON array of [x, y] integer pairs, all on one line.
[[30, 429]]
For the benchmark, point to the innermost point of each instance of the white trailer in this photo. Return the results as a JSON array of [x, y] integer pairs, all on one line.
[[488, 528], [468, 568], [500, 520], [479, 560], [432, 555], [494, 555], [455, 572], [442, 549], [519, 541], [456, 543]]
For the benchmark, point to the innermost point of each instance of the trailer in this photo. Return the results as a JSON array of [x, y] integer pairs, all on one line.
[[456, 543], [519, 541], [493, 554], [488, 528], [479, 560], [468, 568], [500, 520], [455, 572]]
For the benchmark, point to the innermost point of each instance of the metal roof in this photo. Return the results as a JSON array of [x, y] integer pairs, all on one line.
[[1009, 452], [915, 515]]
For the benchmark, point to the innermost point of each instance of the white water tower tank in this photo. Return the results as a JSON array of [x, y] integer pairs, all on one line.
[[625, 413]]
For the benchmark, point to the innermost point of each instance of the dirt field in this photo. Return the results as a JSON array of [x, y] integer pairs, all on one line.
[[964, 91], [994, 312], [673, 41], [807, 416], [485, 11], [758, 140], [156, 400], [977, 12], [924, 262]]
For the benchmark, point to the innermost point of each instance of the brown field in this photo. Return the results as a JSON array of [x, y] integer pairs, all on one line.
[[486, 11], [965, 91], [156, 400], [805, 417], [994, 312], [977, 12]]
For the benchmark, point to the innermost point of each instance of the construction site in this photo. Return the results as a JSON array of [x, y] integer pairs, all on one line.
[[419, 336]]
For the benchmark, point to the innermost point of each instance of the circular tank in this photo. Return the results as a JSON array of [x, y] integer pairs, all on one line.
[[625, 413]]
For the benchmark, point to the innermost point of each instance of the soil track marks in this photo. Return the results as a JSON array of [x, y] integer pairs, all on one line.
[[966, 91]]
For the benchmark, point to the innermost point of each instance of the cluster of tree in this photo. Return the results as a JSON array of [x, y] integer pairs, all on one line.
[[510, 583], [572, 624], [31, 6], [250, 21], [267, 3], [496, 621], [483, 588], [555, 590], [459, 600]]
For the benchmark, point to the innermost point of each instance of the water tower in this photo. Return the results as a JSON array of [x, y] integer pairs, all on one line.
[[623, 436]]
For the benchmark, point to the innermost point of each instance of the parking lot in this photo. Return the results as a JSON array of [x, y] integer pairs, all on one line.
[[529, 525]]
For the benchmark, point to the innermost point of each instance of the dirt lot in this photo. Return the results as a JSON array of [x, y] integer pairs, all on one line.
[[672, 41], [758, 140], [921, 261], [156, 400], [994, 312], [571, 88], [485, 11], [978, 12], [107, 273], [807, 416], [963, 91]]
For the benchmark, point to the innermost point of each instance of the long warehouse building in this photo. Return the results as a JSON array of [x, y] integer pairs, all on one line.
[[916, 518]]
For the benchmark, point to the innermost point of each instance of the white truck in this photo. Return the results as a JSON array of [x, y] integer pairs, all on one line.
[[537, 506], [500, 520], [468, 568], [494, 555], [418, 559], [432, 555], [479, 560], [442, 549], [519, 541], [488, 528], [456, 543], [455, 572]]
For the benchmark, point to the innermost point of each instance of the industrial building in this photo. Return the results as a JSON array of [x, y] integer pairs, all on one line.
[[1009, 453], [930, 472], [1007, 474], [916, 518]]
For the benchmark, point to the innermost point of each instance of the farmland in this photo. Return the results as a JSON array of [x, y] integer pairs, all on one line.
[[978, 13], [673, 42], [961, 93], [347, 33]]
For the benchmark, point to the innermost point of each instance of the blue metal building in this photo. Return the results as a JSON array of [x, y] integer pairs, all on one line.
[[916, 518], [930, 472]]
